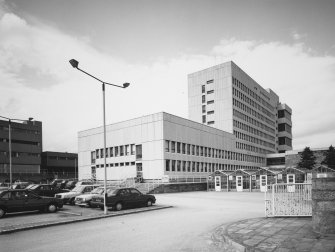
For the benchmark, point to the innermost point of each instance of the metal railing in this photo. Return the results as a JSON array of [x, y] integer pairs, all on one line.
[[288, 200]]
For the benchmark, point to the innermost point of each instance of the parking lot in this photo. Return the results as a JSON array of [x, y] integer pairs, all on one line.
[[184, 227]]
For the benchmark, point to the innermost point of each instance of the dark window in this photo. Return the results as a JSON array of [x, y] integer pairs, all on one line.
[[210, 112], [203, 108], [203, 89], [173, 146], [203, 119], [210, 81], [203, 98], [139, 151], [167, 145], [167, 165], [210, 122], [210, 102], [210, 92], [178, 147]]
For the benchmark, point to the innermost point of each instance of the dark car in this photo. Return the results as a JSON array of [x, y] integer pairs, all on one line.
[[45, 189], [25, 200], [121, 198]]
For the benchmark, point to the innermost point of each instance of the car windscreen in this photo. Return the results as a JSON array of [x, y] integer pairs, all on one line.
[[78, 189], [98, 190], [32, 187], [112, 192]]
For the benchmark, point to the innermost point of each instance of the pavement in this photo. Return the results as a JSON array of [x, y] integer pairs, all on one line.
[[257, 234], [272, 234]]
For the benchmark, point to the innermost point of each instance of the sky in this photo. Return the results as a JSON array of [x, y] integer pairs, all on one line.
[[287, 46]]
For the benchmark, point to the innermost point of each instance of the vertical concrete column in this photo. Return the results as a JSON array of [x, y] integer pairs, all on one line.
[[323, 203]]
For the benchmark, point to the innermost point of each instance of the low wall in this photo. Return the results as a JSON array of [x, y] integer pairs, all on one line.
[[182, 187], [323, 204]]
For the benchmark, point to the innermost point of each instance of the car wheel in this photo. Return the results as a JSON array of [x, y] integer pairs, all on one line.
[[2, 212], [118, 206], [149, 202], [52, 208]]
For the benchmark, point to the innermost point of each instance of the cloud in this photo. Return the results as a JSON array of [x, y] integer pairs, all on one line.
[[37, 81]]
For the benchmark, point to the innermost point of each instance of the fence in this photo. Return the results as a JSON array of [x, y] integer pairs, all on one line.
[[288, 200]]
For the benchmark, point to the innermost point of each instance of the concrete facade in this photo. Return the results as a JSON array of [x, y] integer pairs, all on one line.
[[160, 146], [225, 97], [26, 139]]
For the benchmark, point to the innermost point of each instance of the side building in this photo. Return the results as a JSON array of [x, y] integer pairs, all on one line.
[[26, 148], [160, 146], [225, 97]]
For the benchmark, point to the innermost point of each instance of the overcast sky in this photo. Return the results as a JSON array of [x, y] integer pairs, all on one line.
[[288, 46]]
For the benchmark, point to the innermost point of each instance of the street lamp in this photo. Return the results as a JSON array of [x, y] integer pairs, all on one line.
[[74, 63], [10, 143]]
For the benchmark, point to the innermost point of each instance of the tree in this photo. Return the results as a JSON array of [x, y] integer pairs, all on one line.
[[307, 159], [330, 157]]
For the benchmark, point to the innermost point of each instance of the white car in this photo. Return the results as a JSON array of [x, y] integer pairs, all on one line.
[[69, 197], [85, 199]]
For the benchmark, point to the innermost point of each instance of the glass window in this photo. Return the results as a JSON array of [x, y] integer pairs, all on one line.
[[111, 151], [197, 148], [116, 149], [101, 153], [92, 157], [178, 147], [188, 149], [201, 151], [193, 149], [183, 148], [97, 151], [173, 167], [178, 165], [127, 150], [203, 119], [203, 89], [173, 146], [184, 166], [167, 145], [210, 91], [132, 149], [203, 108], [203, 99], [107, 152], [167, 165], [139, 151], [121, 150]]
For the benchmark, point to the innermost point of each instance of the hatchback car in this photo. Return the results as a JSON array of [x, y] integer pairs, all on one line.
[[84, 200], [121, 198], [69, 197], [25, 200]]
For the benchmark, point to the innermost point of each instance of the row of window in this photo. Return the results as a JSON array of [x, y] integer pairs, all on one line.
[[196, 150], [20, 154], [247, 147], [251, 139], [191, 166], [209, 122], [6, 140], [252, 112], [252, 130], [248, 91], [115, 164], [117, 151], [252, 121], [252, 103], [60, 158], [285, 141], [26, 131]]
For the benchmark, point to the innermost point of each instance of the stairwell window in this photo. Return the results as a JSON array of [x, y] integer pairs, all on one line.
[[210, 102]]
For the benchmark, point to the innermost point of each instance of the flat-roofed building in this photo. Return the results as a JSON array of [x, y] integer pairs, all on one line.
[[26, 147], [158, 146], [225, 97]]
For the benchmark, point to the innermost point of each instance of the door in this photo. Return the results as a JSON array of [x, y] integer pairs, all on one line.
[[263, 182], [290, 180], [239, 183], [218, 183]]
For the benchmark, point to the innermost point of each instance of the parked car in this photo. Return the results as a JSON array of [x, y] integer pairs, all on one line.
[[84, 182], [85, 199], [20, 185], [18, 200], [45, 189], [70, 184], [121, 198], [69, 197]]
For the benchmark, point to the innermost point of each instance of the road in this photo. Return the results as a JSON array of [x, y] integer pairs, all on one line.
[[185, 227]]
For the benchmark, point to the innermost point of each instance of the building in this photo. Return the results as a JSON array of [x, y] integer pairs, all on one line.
[[160, 146], [26, 143], [59, 164], [225, 97], [233, 124]]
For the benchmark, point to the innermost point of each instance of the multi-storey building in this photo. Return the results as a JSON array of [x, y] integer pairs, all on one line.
[[26, 147], [227, 98], [60, 164]]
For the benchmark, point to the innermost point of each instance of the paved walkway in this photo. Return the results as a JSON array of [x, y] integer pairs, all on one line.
[[273, 234]]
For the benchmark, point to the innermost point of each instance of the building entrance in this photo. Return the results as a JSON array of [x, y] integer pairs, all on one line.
[[218, 183], [263, 183], [239, 183]]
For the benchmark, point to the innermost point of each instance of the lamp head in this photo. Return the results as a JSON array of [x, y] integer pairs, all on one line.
[[74, 63], [30, 119], [126, 84]]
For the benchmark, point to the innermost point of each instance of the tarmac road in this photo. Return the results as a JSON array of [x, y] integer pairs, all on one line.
[[185, 227]]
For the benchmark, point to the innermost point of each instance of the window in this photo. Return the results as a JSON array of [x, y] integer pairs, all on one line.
[[210, 123], [178, 165], [116, 151], [203, 108], [173, 167], [203, 89], [197, 150], [111, 151], [201, 151], [188, 149], [193, 149], [184, 166], [121, 150], [101, 153], [97, 151], [203, 119], [189, 166], [173, 147], [107, 154], [92, 157], [210, 92], [167, 165], [203, 99], [210, 81], [126, 150], [210, 102], [210, 112], [183, 147], [132, 149], [167, 145], [139, 151], [178, 147]]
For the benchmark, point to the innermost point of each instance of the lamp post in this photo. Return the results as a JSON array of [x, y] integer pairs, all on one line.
[[10, 143], [74, 63]]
